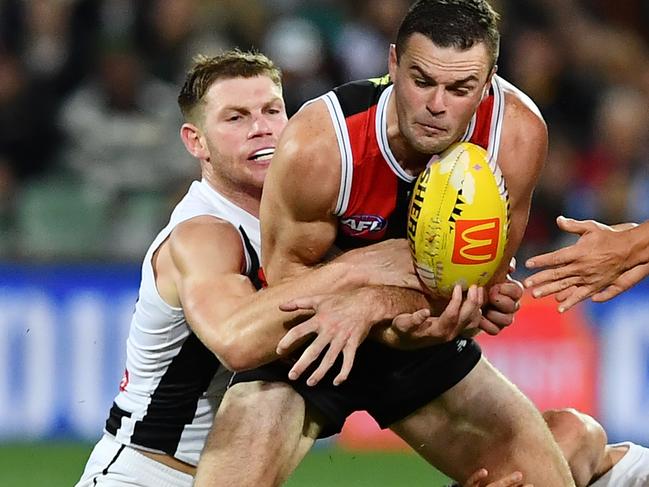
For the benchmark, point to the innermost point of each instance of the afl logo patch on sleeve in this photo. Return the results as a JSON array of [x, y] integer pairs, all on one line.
[[359, 225]]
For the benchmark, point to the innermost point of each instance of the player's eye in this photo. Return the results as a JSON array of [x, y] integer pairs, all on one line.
[[461, 91], [421, 83]]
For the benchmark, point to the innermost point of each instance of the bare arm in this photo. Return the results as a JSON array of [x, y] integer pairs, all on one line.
[[199, 268], [603, 263], [521, 158], [522, 154], [299, 228], [373, 306]]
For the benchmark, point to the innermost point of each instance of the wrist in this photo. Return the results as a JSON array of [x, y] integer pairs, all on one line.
[[371, 300], [638, 250]]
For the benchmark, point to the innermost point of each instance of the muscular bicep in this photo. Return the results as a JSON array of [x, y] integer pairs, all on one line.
[[521, 158], [298, 226], [207, 256]]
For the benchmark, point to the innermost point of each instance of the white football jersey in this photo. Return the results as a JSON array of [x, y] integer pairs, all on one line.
[[631, 471], [172, 384]]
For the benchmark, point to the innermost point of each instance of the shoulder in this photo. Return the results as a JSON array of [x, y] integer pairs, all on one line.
[[206, 241], [307, 158], [524, 140], [523, 122], [309, 132]]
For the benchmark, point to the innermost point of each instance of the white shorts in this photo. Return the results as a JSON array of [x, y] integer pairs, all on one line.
[[631, 471], [114, 464]]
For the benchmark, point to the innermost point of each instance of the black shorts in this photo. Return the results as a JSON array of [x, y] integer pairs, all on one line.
[[389, 384]]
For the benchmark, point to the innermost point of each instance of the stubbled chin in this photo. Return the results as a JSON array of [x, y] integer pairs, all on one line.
[[431, 145]]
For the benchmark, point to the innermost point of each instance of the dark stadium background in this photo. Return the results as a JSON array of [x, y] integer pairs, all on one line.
[[85, 185]]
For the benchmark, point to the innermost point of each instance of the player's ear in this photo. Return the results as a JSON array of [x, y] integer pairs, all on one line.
[[392, 61], [194, 141], [487, 85]]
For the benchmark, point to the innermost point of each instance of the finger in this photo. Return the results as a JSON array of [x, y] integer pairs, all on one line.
[[625, 281], [310, 354], [511, 288], [609, 293], [474, 479], [452, 310], [578, 296], [407, 321], [295, 336], [565, 294], [489, 327], [511, 480], [469, 307], [555, 286], [325, 364], [501, 320], [349, 353], [298, 303], [482, 296], [501, 302], [551, 259], [578, 227]]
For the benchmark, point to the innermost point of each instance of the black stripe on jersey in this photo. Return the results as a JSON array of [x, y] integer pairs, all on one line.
[[114, 421], [253, 275], [358, 96], [398, 220], [173, 403]]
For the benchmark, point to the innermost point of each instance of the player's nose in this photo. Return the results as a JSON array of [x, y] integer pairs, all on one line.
[[436, 102], [260, 127]]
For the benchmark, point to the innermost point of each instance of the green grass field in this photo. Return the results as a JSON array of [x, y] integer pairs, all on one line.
[[60, 464]]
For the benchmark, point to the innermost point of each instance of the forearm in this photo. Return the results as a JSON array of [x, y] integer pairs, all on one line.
[[257, 325]]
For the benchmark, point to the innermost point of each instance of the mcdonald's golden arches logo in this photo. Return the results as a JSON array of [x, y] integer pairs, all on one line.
[[476, 241]]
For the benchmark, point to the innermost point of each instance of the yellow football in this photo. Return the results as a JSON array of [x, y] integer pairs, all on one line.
[[458, 219]]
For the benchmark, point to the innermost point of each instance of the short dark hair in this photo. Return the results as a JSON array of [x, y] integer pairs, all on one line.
[[452, 23], [231, 64]]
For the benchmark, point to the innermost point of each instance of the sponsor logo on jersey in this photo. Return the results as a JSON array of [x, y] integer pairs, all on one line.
[[476, 241], [358, 225]]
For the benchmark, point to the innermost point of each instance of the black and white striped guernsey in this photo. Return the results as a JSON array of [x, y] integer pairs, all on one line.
[[173, 385]]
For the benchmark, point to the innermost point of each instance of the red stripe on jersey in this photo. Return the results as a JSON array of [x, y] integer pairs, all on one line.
[[374, 186], [482, 128]]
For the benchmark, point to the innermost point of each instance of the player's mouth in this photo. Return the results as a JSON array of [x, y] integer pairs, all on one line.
[[432, 129], [262, 155]]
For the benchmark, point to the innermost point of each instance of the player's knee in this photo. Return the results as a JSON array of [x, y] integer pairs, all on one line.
[[248, 398], [581, 439], [570, 425]]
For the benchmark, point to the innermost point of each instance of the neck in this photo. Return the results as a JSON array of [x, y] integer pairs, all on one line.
[[245, 197]]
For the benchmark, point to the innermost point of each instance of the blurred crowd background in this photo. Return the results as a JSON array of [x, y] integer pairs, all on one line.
[[91, 161]]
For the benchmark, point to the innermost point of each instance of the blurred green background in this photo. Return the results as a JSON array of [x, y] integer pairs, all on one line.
[[59, 464]]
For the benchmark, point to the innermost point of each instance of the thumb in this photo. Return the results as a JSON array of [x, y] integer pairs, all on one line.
[[573, 226]]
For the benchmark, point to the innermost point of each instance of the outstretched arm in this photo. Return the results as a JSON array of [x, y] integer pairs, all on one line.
[[199, 268], [603, 263]]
